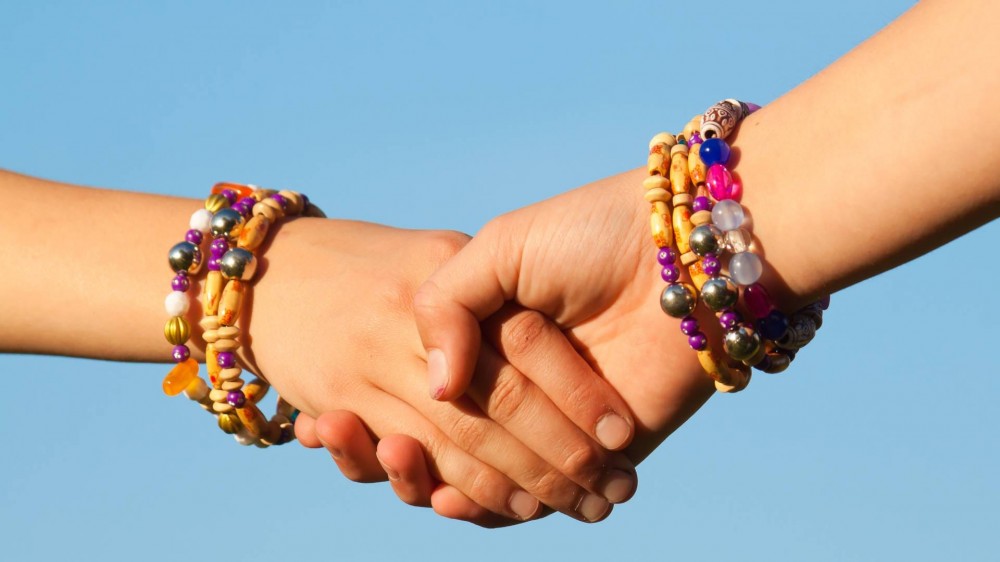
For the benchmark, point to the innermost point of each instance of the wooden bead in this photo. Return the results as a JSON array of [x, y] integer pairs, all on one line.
[[230, 423], [210, 336], [295, 202], [679, 149], [255, 390], [229, 374], [212, 292], [265, 210], [689, 258], [663, 138], [737, 380], [177, 330], [232, 385], [657, 163], [658, 194], [656, 182], [226, 345], [209, 323], [216, 202], [180, 377], [692, 126], [659, 224], [254, 233], [682, 228], [261, 194], [708, 364], [682, 199], [231, 302], [218, 395], [283, 408], [222, 407], [212, 364], [696, 168], [229, 332], [698, 275], [271, 435], [252, 419], [701, 217], [679, 180]]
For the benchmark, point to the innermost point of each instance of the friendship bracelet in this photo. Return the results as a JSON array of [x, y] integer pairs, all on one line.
[[239, 218]]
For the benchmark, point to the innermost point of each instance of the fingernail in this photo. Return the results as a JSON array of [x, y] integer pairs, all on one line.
[[593, 507], [389, 471], [523, 504], [437, 372], [618, 486], [612, 431]]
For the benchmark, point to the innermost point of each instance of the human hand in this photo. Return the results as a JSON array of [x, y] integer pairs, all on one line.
[[332, 328]]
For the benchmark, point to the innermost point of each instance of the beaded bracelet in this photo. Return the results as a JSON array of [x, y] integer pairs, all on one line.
[[770, 343], [238, 217]]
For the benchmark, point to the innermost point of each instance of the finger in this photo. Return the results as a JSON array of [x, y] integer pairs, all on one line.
[[402, 458], [305, 431], [349, 443], [521, 408], [539, 349], [448, 307], [449, 502]]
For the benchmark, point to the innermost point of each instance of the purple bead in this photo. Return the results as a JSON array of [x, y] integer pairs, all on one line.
[[180, 353], [714, 151], [236, 399], [213, 263], [773, 326], [666, 256], [180, 283], [226, 359], [729, 319], [752, 106], [244, 210], [281, 200], [689, 326], [824, 302], [670, 273], [695, 138], [702, 203], [193, 236], [219, 247], [711, 265], [230, 195], [698, 341], [757, 300]]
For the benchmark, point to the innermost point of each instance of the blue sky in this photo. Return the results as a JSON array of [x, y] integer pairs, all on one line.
[[878, 445]]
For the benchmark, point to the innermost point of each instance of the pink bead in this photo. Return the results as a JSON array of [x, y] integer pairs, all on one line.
[[737, 191], [720, 182], [757, 301]]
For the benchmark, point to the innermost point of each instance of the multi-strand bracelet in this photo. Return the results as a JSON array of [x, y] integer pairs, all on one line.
[[238, 218], [706, 225]]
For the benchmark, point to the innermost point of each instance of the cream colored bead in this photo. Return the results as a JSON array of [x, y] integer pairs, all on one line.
[[197, 390], [274, 205], [226, 345], [212, 292], [222, 407], [701, 217], [267, 211], [679, 180], [231, 302], [254, 232], [688, 258], [657, 194], [229, 374], [210, 336], [678, 149], [232, 385], [659, 224], [663, 138], [295, 201], [218, 395], [229, 332], [655, 182], [682, 200]]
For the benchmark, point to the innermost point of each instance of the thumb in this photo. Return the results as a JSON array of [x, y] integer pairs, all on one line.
[[448, 307]]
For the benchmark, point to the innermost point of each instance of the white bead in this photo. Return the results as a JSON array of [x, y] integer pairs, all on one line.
[[177, 303], [201, 220], [728, 215], [738, 241], [244, 438], [199, 390], [745, 268]]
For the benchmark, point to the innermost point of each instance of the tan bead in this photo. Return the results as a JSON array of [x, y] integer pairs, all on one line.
[[231, 302], [260, 193], [698, 275], [253, 420], [679, 180], [218, 395], [663, 138], [222, 407], [229, 332], [656, 182], [295, 201], [682, 228], [255, 390], [736, 381], [709, 364], [232, 385], [657, 163], [212, 364], [657, 194], [689, 258], [216, 202], [693, 125], [209, 322], [196, 390], [696, 168], [177, 330], [229, 374], [659, 224], [679, 149], [701, 217], [266, 210], [210, 336], [682, 199], [212, 292], [254, 233], [274, 205], [226, 345]]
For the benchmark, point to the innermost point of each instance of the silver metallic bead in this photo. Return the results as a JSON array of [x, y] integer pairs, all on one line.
[[228, 223], [719, 293], [706, 239], [185, 256], [238, 264], [678, 300], [741, 343]]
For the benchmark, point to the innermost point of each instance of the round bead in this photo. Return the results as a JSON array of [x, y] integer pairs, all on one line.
[[705, 239], [193, 236], [177, 303], [695, 138], [226, 359], [670, 273], [180, 353], [666, 256], [236, 399], [741, 343], [185, 256], [773, 326], [227, 223], [238, 264], [800, 332], [719, 182], [230, 195], [201, 220], [729, 319], [711, 265], [738, 241], [281, 200], [177, 330], [698, 341], [213, 264], [180, 282], [728, 215], [719, 293], [745, 268], [689, 326], [701, 203], [219, 247], [714, 151], [215, 202], [678, 300], [757, 300]]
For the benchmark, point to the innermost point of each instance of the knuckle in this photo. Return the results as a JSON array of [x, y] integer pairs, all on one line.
[[583, 464], [554, 489], [507, 397], [469, 433], [442, 245], [521, 333], [489, 490]]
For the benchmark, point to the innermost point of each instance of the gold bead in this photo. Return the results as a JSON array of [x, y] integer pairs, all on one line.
[[229, 423], [216, 202], [177, 330]]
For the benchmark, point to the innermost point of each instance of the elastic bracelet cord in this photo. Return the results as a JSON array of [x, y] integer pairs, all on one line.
[[699, 156], [238, 217]]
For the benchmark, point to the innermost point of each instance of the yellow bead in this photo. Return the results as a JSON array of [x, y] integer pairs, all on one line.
[[229, 423], [180, 377], [177, 330], [680, 182], [216, 202], [682, 228], [659, 224], [232, 300], [254, 233], [696, 168], [212, 292]]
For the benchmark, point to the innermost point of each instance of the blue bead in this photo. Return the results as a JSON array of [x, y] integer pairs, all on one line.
[[774, 325], [714, 151]]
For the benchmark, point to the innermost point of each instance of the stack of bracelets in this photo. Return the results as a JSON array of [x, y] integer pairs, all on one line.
[[238, 218], [689, 172]]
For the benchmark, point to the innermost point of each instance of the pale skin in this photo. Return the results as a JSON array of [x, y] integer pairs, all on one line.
[[886, 154]]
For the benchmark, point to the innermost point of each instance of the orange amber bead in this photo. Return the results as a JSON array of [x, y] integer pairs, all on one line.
[[180, 377], [241, 190]]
